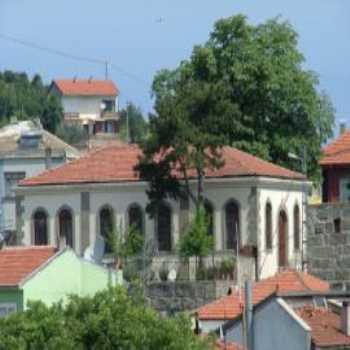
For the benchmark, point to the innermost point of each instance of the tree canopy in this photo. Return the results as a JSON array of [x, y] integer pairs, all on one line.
[[248, 87], [109, 320], [23, 98], [136, 123]]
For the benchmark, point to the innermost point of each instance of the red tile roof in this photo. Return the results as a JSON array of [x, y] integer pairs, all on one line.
[[220, 345], [338, 151], [82, 87], [229, 307], [115, 163], [325, 327], [17, 263]]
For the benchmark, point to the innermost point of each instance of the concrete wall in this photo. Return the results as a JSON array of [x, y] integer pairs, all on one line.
[[329, 243], [276, 326], [65, 274]]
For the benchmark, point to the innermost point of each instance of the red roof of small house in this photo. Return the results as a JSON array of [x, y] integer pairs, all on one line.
[[17, 263], [84, 87], [325, 327], [231, 306], [116, 163], [338, 151]]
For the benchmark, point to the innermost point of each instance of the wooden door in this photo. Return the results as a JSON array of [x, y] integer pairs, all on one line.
[[282, 240]]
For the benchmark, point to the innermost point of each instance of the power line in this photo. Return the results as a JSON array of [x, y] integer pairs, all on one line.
[[80, 58]]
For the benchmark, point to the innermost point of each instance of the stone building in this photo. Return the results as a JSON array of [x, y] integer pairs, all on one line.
[[255, 206]]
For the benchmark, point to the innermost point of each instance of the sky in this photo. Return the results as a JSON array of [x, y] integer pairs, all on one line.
[[140, 37]]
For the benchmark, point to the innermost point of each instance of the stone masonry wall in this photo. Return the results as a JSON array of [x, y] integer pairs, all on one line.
[[328, 243]]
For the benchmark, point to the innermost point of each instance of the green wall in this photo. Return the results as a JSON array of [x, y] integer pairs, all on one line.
[[12, 295], [65, 274]]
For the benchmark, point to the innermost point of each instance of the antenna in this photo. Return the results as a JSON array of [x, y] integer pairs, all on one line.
[[106, 70]]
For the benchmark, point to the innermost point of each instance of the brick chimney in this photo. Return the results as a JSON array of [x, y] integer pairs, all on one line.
[[345, 318]]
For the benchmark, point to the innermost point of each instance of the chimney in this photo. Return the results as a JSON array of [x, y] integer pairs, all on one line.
[[48, 158], [74, 79], [345, 318], [342, 126], [90, 79]]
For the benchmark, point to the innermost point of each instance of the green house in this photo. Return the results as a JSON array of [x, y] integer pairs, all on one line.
[[43, 273]]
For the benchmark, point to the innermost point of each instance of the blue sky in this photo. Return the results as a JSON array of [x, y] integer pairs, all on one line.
[[128, 33]]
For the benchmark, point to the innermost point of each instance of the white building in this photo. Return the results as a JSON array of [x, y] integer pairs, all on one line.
[[90, 103], [25, 150], [255, 206]]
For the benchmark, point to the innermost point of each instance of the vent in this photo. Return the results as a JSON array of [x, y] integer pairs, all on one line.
[[30, 139]]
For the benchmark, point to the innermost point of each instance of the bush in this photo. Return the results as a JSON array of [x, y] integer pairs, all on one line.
[[227, 268]]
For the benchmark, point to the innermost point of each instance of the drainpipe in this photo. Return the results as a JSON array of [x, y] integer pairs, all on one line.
[[249, 315]]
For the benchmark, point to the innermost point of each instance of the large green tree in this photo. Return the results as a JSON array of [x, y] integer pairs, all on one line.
[[109, 320], [23, 98], [248, 86]]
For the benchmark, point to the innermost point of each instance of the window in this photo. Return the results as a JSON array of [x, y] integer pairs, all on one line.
[[7, 308], [108, 105], [296, 227], [268, 226], [135, 217], [209, 212], [232, 225], [65, 222], [40, 227], [164, 228], [106, 226], [11, 180]]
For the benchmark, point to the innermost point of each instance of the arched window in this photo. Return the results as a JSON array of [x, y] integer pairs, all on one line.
[[209, 212], [232, 225], [268, 226], [40, 228], [106, 226], [164, 227], [296, 227], [65, 223], [135, 217]]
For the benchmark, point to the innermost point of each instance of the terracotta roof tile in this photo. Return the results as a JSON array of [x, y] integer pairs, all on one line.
[[82, 87], [16, 263], [115, 163], [325, 326], [338, 151], [231, 306]]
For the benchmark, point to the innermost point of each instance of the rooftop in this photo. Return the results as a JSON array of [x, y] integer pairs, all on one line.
[[230, 307], [325, 326], [86, 87], [338, 151], [17, 263], [116, 163]]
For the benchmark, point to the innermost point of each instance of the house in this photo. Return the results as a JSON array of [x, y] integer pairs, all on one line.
[[296, 321], [90, 103], [26, 149], [335, 164], [214, 315], [46, 274], [255, 206]]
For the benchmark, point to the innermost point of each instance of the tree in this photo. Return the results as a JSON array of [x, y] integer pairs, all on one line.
[[131, 118], [72, 134], [28, 99], [247, 84], [111, 319]]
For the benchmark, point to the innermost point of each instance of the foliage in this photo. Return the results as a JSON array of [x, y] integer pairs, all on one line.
[[227, 268], [23, 98], [136, 123], [109, 320], [246, 87], [196, 242], [72, 134]]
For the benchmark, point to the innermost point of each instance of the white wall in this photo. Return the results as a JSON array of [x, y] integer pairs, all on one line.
[[87, 106], [280, 198]]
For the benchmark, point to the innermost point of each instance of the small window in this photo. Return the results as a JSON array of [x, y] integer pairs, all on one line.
[[106, 226], [296, 228], [164, 228], [135, 218], [65, 221], [209, 212], [40, 227], [268, 226], [232, 225], [337, 225], [7, 308]]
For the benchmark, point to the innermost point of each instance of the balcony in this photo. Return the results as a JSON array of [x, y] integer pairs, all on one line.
[[107, 115]]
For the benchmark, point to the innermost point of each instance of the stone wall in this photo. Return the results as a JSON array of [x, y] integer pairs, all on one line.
[[328, 243], [172, 297]]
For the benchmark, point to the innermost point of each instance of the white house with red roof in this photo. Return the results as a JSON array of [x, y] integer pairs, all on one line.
[[255, 206], [91, 103]]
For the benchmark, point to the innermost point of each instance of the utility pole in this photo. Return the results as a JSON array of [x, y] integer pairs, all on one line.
[[127, 123], [106, 70], [249, 331], [304, 206]]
